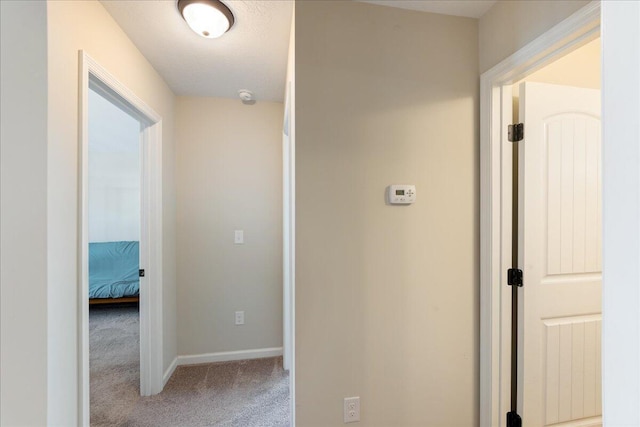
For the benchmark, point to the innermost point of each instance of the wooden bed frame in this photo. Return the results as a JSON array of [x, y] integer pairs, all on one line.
[[93, 301]]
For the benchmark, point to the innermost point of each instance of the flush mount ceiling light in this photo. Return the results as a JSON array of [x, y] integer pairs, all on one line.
[[208, 18]]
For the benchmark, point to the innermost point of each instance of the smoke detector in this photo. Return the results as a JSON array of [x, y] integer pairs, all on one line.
[[247, 97]]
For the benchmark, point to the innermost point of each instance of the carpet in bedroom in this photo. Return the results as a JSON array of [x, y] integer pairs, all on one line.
[[247, 393]]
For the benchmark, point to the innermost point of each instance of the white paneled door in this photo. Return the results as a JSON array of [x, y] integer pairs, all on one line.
[[560, 253]]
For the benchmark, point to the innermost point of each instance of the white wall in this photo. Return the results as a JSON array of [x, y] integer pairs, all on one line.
[[114, 172], [621, 220], [387, 302], [229, 177], [23, 213], [75, 25], [511, 24]]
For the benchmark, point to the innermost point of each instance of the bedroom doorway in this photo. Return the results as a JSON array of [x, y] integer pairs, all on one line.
[[120, 246], [114, 257]]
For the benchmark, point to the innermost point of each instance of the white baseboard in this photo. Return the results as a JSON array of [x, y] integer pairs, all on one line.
[[226, 356], [169, 371]]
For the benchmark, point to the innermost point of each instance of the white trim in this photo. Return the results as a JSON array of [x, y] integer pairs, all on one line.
[[495, 199], [151, 375], [289, 224], [83, 242], [287, 231], [227, 356], [170, 370]]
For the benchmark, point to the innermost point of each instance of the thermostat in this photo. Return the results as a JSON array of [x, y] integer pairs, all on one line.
[[402, 194]]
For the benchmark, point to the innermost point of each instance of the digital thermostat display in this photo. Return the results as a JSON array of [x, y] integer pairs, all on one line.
[[400, 194]]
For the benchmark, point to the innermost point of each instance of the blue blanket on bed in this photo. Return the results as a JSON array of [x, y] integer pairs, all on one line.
[[113, 269]]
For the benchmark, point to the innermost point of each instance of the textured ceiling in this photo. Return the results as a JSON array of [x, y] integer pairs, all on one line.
[[252, 55], [468, 8]]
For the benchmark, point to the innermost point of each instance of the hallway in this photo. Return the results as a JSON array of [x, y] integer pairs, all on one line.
[[243, 393]]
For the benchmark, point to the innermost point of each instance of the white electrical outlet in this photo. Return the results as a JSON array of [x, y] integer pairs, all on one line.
[[351, 409], [239, 237], [239, 317]]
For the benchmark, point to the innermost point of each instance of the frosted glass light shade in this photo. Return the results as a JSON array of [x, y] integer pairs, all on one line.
[[207, 18]]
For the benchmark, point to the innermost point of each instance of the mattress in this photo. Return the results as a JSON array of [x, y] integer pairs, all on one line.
[[114, 269]]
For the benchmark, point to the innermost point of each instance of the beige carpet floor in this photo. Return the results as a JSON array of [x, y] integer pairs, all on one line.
[[250, 393]]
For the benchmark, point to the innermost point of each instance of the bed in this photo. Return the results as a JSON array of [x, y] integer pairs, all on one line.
[[114, 272]]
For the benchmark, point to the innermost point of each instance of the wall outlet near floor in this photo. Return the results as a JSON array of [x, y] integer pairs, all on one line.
[[351, 409], [238, 237], [239, 317]]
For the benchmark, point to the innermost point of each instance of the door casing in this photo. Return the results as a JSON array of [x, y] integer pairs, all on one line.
[[496, 199], [92, 74]]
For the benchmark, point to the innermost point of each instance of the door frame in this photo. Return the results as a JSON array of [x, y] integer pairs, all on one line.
[[496, 199], [289, 246], [288, 226], [289, 257], [92, 74]]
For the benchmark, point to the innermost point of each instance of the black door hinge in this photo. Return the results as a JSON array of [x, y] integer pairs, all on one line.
[[516, 132], [513, 419], [141, 273], [514, 277]]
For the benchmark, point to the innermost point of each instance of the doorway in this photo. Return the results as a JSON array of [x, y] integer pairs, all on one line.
[[559, 241], [497, 236], [114, 257], [94, 78]]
